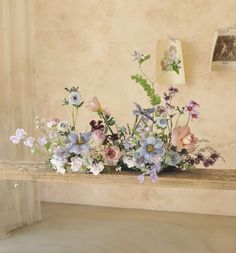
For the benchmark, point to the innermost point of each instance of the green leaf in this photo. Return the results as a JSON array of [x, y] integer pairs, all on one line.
[[155, 99], [47, 145]]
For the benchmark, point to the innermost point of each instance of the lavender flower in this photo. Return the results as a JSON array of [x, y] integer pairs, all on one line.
[[42, 141], [29, 142], [146, 113], [79, 144], [141, 178], [19, 135], [192, 107]]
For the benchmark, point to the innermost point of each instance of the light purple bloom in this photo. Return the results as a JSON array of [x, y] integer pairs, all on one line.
[[151, 147], [29, 142], [79, 144], [42, 141], [52, 134], [192, 105], [141, 178], [156, 168], [194, 114], [60, 152], [153, 176], [19, 135], [14, 139], [146, 113]]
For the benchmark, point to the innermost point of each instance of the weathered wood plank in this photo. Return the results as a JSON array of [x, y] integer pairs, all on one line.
[[198, 178]]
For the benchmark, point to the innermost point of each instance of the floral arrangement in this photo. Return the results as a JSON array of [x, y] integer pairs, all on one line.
[[156, 141]]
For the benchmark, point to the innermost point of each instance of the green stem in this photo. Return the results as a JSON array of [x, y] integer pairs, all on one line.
[[76, 114], [105, 121], [188, 119], [177, 121], [73, 118], [141, 70], [135, 123]]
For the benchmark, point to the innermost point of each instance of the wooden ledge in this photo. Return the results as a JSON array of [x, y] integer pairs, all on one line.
[[199, 178]]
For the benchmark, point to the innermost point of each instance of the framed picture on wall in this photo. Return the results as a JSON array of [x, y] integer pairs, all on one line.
[[224, 50]]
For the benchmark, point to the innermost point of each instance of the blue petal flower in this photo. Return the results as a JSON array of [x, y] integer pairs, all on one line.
[[151, 147], [79, 144]]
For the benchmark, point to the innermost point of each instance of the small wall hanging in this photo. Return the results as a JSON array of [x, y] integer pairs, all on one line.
[[169, 58], [224, 50]]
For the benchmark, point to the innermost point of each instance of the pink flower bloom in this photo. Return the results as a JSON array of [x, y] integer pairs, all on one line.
[[195, 114], [98, 136], [112, 155], [52, 122], [95, 106], [182, 138]]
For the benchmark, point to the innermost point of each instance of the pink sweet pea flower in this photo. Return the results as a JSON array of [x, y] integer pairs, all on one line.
[[182, 138], [95, 106], [52, 122], [98, 136]]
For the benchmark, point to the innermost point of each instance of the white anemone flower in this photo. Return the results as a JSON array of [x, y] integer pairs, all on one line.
[[58, 165], [76, 164], [96, 168], [63, 126], [74, 98], [130, 162], [161, 122]]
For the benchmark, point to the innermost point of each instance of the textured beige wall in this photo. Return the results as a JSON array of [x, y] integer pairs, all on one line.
[[89, 43]]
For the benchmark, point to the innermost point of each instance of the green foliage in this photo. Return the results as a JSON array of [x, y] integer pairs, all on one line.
[[146, 57], [154, 98], [176, 66]]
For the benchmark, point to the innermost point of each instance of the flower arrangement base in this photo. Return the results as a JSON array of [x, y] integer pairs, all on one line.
[[171, 169], [184, 191], [109, 169]]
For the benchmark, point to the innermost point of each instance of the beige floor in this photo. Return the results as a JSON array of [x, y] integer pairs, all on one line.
[[74, 228]]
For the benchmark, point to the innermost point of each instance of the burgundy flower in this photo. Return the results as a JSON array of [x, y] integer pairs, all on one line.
[[96, 125]]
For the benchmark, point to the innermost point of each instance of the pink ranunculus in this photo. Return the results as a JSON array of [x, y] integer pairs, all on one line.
[[95, 106], [182, 138], [112, 155], [98, 136]]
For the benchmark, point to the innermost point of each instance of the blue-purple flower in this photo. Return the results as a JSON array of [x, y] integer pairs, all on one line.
[[146, 113], [172, 158], [151, 147], [79, 143]]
